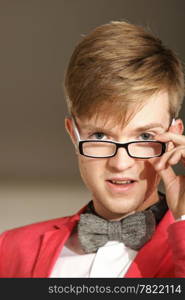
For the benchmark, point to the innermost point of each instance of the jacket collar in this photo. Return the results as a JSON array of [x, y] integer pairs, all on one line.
[[149, 259]]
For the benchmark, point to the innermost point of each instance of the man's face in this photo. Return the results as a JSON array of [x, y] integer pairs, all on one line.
[[121, 184]]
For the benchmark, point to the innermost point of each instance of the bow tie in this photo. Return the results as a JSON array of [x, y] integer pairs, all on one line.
[[134, 230]]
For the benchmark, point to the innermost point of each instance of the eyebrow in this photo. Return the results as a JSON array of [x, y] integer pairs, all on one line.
[[149, 126], [138, 129], [96, 128]]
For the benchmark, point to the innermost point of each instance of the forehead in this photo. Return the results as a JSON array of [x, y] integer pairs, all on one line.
[[154, 110]]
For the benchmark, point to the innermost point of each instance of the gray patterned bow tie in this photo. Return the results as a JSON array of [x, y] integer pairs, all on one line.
[[134, 230]]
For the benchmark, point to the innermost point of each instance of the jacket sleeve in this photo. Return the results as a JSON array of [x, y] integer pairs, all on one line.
[[177, 242], [2, 238]]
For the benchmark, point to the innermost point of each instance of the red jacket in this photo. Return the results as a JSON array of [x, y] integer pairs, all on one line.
[[32, 250]]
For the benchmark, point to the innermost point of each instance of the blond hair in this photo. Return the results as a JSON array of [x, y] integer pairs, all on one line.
[[117, 67]]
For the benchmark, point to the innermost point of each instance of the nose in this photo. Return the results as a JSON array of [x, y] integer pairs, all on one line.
[[121, 161]]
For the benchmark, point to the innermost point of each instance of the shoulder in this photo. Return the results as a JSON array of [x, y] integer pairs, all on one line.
[[36, 230], [20, 247], [31, 230]]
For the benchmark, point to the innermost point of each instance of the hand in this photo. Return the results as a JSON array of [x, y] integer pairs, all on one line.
[[174, 184]]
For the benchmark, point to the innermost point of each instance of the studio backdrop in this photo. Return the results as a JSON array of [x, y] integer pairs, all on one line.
[[39, 176]]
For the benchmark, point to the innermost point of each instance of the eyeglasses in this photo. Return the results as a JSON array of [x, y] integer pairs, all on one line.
[[106, 149], [136, 149]]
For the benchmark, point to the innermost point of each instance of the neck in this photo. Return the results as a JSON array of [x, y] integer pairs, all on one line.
[[149, 200]]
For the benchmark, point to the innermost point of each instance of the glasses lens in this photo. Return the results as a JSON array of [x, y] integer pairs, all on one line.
[[145, 150], [99, 149]]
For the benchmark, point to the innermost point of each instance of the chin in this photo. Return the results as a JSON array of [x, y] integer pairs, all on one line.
[[119, 211], [125, 205]]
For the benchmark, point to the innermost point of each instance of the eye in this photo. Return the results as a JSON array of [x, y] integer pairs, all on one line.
[[147, 136], [98, 135]]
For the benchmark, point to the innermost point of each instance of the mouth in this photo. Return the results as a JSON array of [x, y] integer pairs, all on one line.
[[121, 181], [121, 184]]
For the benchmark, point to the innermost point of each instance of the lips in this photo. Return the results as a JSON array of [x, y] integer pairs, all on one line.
[[120, 185], [121, 181]]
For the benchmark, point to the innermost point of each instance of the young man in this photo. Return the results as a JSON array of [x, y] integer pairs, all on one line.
[[124, 90]]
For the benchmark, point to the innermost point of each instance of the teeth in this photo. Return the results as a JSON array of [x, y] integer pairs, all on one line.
[[122, 181]]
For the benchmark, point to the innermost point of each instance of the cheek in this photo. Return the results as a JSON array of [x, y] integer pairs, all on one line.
[[90, 169]]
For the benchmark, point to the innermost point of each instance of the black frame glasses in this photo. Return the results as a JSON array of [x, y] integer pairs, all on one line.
[[81, 143], [121, 145]]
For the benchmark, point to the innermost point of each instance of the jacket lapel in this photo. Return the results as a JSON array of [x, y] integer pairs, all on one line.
[[51, 245], [150, 258]]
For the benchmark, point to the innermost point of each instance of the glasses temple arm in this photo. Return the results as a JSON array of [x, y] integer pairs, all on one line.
[[76, 132]]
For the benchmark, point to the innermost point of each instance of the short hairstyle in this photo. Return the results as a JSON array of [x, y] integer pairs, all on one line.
[[117, 67]]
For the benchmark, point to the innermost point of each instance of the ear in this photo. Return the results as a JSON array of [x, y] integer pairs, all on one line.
[[177, 126], [70, 130]]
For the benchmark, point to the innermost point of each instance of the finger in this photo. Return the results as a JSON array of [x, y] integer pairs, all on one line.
[[178, 155], [175, 158], [177, 139], [168, 176], [167, 157]]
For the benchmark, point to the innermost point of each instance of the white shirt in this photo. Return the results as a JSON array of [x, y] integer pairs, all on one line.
[[112, 260]]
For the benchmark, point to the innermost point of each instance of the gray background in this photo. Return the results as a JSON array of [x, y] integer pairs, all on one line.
[[39, 177]]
